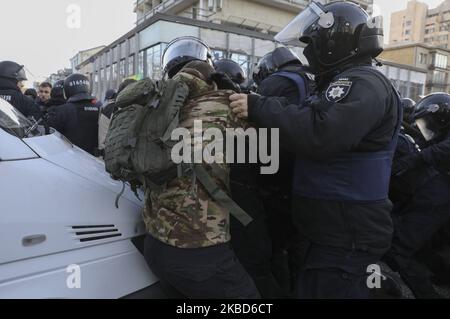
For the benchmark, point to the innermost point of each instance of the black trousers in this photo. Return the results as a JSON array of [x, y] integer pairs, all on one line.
[[344, 240], [426, 213], [203, 273], [253, 244], [415, 225]]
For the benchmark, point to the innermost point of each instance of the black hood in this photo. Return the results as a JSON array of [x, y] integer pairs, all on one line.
[[8, 84]]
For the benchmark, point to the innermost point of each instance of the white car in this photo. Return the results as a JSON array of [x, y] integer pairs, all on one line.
[[61, 235]]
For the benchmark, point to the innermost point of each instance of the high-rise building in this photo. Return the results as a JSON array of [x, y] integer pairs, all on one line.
[[419, 24]]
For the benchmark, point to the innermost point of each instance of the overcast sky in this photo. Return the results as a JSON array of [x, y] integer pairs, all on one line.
[[36, 33]]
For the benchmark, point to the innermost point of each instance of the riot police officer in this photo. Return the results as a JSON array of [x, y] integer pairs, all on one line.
[[181, 51], [420, 189], [78, 118], [344, 139], [233, 71], [432, 119], [262, 247], [12, 76], [281, 73]]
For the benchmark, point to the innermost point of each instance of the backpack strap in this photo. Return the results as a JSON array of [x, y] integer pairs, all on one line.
[[220, 196]]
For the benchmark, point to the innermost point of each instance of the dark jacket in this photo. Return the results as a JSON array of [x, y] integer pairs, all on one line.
[[438, 155], [78, 121], [12, 94], [361, 115]]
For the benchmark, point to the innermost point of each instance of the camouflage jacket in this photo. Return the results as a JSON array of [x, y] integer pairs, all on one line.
[[183, 214]]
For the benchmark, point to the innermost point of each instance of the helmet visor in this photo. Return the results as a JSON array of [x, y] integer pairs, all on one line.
[[185, 47], [427, 127], [21, 75], [296, 28]]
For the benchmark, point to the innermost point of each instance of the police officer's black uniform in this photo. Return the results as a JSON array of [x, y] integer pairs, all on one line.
[[345, 140], [78, 118], [10, 74], [420, 189]]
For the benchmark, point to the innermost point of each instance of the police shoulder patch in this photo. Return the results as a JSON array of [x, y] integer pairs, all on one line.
[[338, 90]]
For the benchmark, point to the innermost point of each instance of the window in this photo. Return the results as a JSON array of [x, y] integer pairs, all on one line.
[[132, 42], [423, 58], [408, 23], [153, 61], [243, 61], [108, 73], [440, 61], [109, 57], [114, 72], [140, 71], [439, 77], [218, 54], [122, 68], [13, 121], [131, 65], [407, 32], [123, 49]]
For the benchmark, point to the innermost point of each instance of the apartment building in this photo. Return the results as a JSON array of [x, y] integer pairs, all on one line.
[[419, 24], [432, 60]]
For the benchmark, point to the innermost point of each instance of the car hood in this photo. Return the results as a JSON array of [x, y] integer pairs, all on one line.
[[58, 150]]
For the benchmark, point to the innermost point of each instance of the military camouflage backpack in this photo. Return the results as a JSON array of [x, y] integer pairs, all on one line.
[[137, 146]]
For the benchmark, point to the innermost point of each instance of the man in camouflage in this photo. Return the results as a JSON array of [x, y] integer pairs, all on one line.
[[188, 246]]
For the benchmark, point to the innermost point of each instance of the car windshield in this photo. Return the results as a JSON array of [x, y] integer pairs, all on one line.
[[12, 121]]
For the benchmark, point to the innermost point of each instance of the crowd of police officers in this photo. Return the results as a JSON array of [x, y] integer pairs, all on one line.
[[364, 174]]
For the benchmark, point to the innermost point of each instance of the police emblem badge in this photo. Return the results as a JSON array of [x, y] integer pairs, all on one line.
[[338, 90]]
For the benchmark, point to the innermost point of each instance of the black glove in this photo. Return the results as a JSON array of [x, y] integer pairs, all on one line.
[[224, 82], [406, 163]]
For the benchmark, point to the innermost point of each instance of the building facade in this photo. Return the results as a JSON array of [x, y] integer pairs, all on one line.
[[267, 16], [242, 30], [82, 56], [408, 80], [419, 24], [434, 61]]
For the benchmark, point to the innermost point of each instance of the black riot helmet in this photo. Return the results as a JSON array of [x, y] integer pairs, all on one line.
[[433, 116], [183, 50], [232, 69], [272, 62], [77, 88], [409, 108], [57, 90], [12, 70], [335, 34]]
